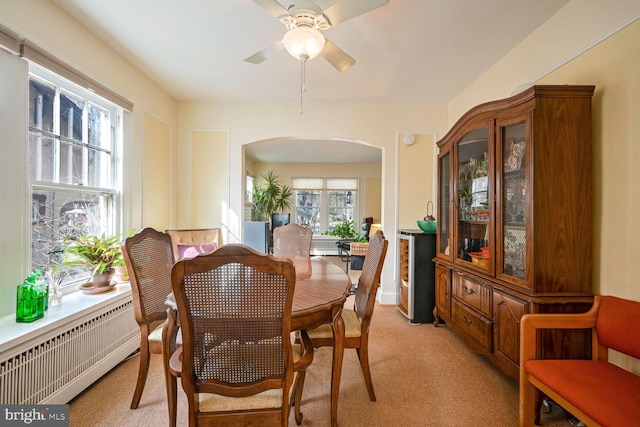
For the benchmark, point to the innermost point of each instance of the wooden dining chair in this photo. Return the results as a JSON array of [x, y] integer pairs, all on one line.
[[149, 259], [237, 362], [195, 241], [358, 320], [292, 240]]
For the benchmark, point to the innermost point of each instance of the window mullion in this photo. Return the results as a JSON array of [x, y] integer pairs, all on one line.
[[38, 145], [56, 131], [324, 206], [85, 140]]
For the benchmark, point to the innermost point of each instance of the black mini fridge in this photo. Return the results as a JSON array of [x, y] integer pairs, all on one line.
[[416, 295]]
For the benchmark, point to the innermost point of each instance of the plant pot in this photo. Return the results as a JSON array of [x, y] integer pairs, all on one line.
[[103, 279]]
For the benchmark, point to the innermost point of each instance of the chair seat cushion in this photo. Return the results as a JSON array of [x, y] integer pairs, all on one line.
[[156, 335], [352, 326], [605, 392], [210, 402]]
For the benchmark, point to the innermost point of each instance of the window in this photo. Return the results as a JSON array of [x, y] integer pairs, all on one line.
[[72, 165], [322, 203]]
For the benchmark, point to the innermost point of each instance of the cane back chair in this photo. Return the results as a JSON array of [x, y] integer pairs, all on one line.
[[149, 258], [237, 361], [358, 320]]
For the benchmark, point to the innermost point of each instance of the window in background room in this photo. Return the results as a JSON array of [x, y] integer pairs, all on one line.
[[322, 203], [249, 188], [308, 204], [248, 196], [72, 165]]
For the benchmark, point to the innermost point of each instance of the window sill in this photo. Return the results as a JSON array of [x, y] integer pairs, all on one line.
[[74, 305]]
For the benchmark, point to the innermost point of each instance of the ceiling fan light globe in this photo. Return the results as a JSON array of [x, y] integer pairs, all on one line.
[[303, 42]]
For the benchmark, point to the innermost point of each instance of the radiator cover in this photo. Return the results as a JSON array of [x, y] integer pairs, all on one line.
[[324, 245], [59, 364]]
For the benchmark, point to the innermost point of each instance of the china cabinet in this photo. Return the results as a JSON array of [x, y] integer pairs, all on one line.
[[515, 223]]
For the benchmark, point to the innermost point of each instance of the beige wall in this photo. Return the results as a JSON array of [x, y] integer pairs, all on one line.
[[209, 179], [416, 179], [156, 173], [372, 203], [577, 27]]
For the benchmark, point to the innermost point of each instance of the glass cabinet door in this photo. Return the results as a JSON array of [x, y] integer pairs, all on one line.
[[513, 198], [444, 205], [473, 188]]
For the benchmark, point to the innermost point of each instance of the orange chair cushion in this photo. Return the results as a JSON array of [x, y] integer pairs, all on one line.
[[605, 392]]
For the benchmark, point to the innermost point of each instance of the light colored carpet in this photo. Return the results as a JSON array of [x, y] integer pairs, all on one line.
[[423, 376]]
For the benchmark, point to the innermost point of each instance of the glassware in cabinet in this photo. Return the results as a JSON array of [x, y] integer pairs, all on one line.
[[444, 205], [514, 200], [473, 204]]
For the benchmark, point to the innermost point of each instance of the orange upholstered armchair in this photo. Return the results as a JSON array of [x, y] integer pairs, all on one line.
[[595, 391]]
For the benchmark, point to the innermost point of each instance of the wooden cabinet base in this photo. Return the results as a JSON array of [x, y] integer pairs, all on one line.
[[495, 332]]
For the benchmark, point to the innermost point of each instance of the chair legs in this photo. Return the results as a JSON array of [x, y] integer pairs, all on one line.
[[143, 370], [363, 356], [296, 397], [529, 416], [169, 335], [172, 397]]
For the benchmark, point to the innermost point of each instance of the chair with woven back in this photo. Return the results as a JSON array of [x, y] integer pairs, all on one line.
[[294, 242], [358, 320], [149, 258], [237, 362]]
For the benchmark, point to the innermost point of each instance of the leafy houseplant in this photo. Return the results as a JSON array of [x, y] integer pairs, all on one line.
[[99, 254], [345, 230], [270, 197]]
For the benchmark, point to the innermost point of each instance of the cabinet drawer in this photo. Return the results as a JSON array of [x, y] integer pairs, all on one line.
[[476, 327], [473, 292]]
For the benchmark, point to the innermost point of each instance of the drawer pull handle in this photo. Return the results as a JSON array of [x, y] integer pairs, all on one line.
[[468, 291], [467, 322]]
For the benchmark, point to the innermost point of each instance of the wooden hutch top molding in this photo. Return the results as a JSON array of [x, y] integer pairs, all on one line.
[[537, 91]]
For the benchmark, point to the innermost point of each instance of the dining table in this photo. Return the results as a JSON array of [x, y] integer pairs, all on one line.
[[321, 290]]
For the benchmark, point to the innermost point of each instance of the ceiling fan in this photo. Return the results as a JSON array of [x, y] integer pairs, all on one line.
[[304, 20]]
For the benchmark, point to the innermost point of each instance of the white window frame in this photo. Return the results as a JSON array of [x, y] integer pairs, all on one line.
[[325, 185], [110, 215]]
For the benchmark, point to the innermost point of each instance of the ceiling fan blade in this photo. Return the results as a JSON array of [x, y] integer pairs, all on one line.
[[265, 53], [336, 56], [347, 9], [273, 7]]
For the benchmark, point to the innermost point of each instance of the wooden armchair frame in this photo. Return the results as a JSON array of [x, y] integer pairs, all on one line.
[[595, 391]]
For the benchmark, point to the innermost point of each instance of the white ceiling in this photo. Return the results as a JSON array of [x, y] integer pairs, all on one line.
[[408, 51]]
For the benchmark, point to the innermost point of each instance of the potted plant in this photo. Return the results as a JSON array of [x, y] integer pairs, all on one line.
[[99, 254], [344, 230], [271, 197]]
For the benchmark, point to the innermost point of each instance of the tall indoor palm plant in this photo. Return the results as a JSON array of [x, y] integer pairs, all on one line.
[[270, 197]]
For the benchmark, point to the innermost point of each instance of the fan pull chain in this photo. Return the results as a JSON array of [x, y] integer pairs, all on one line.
[[303, 83]]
